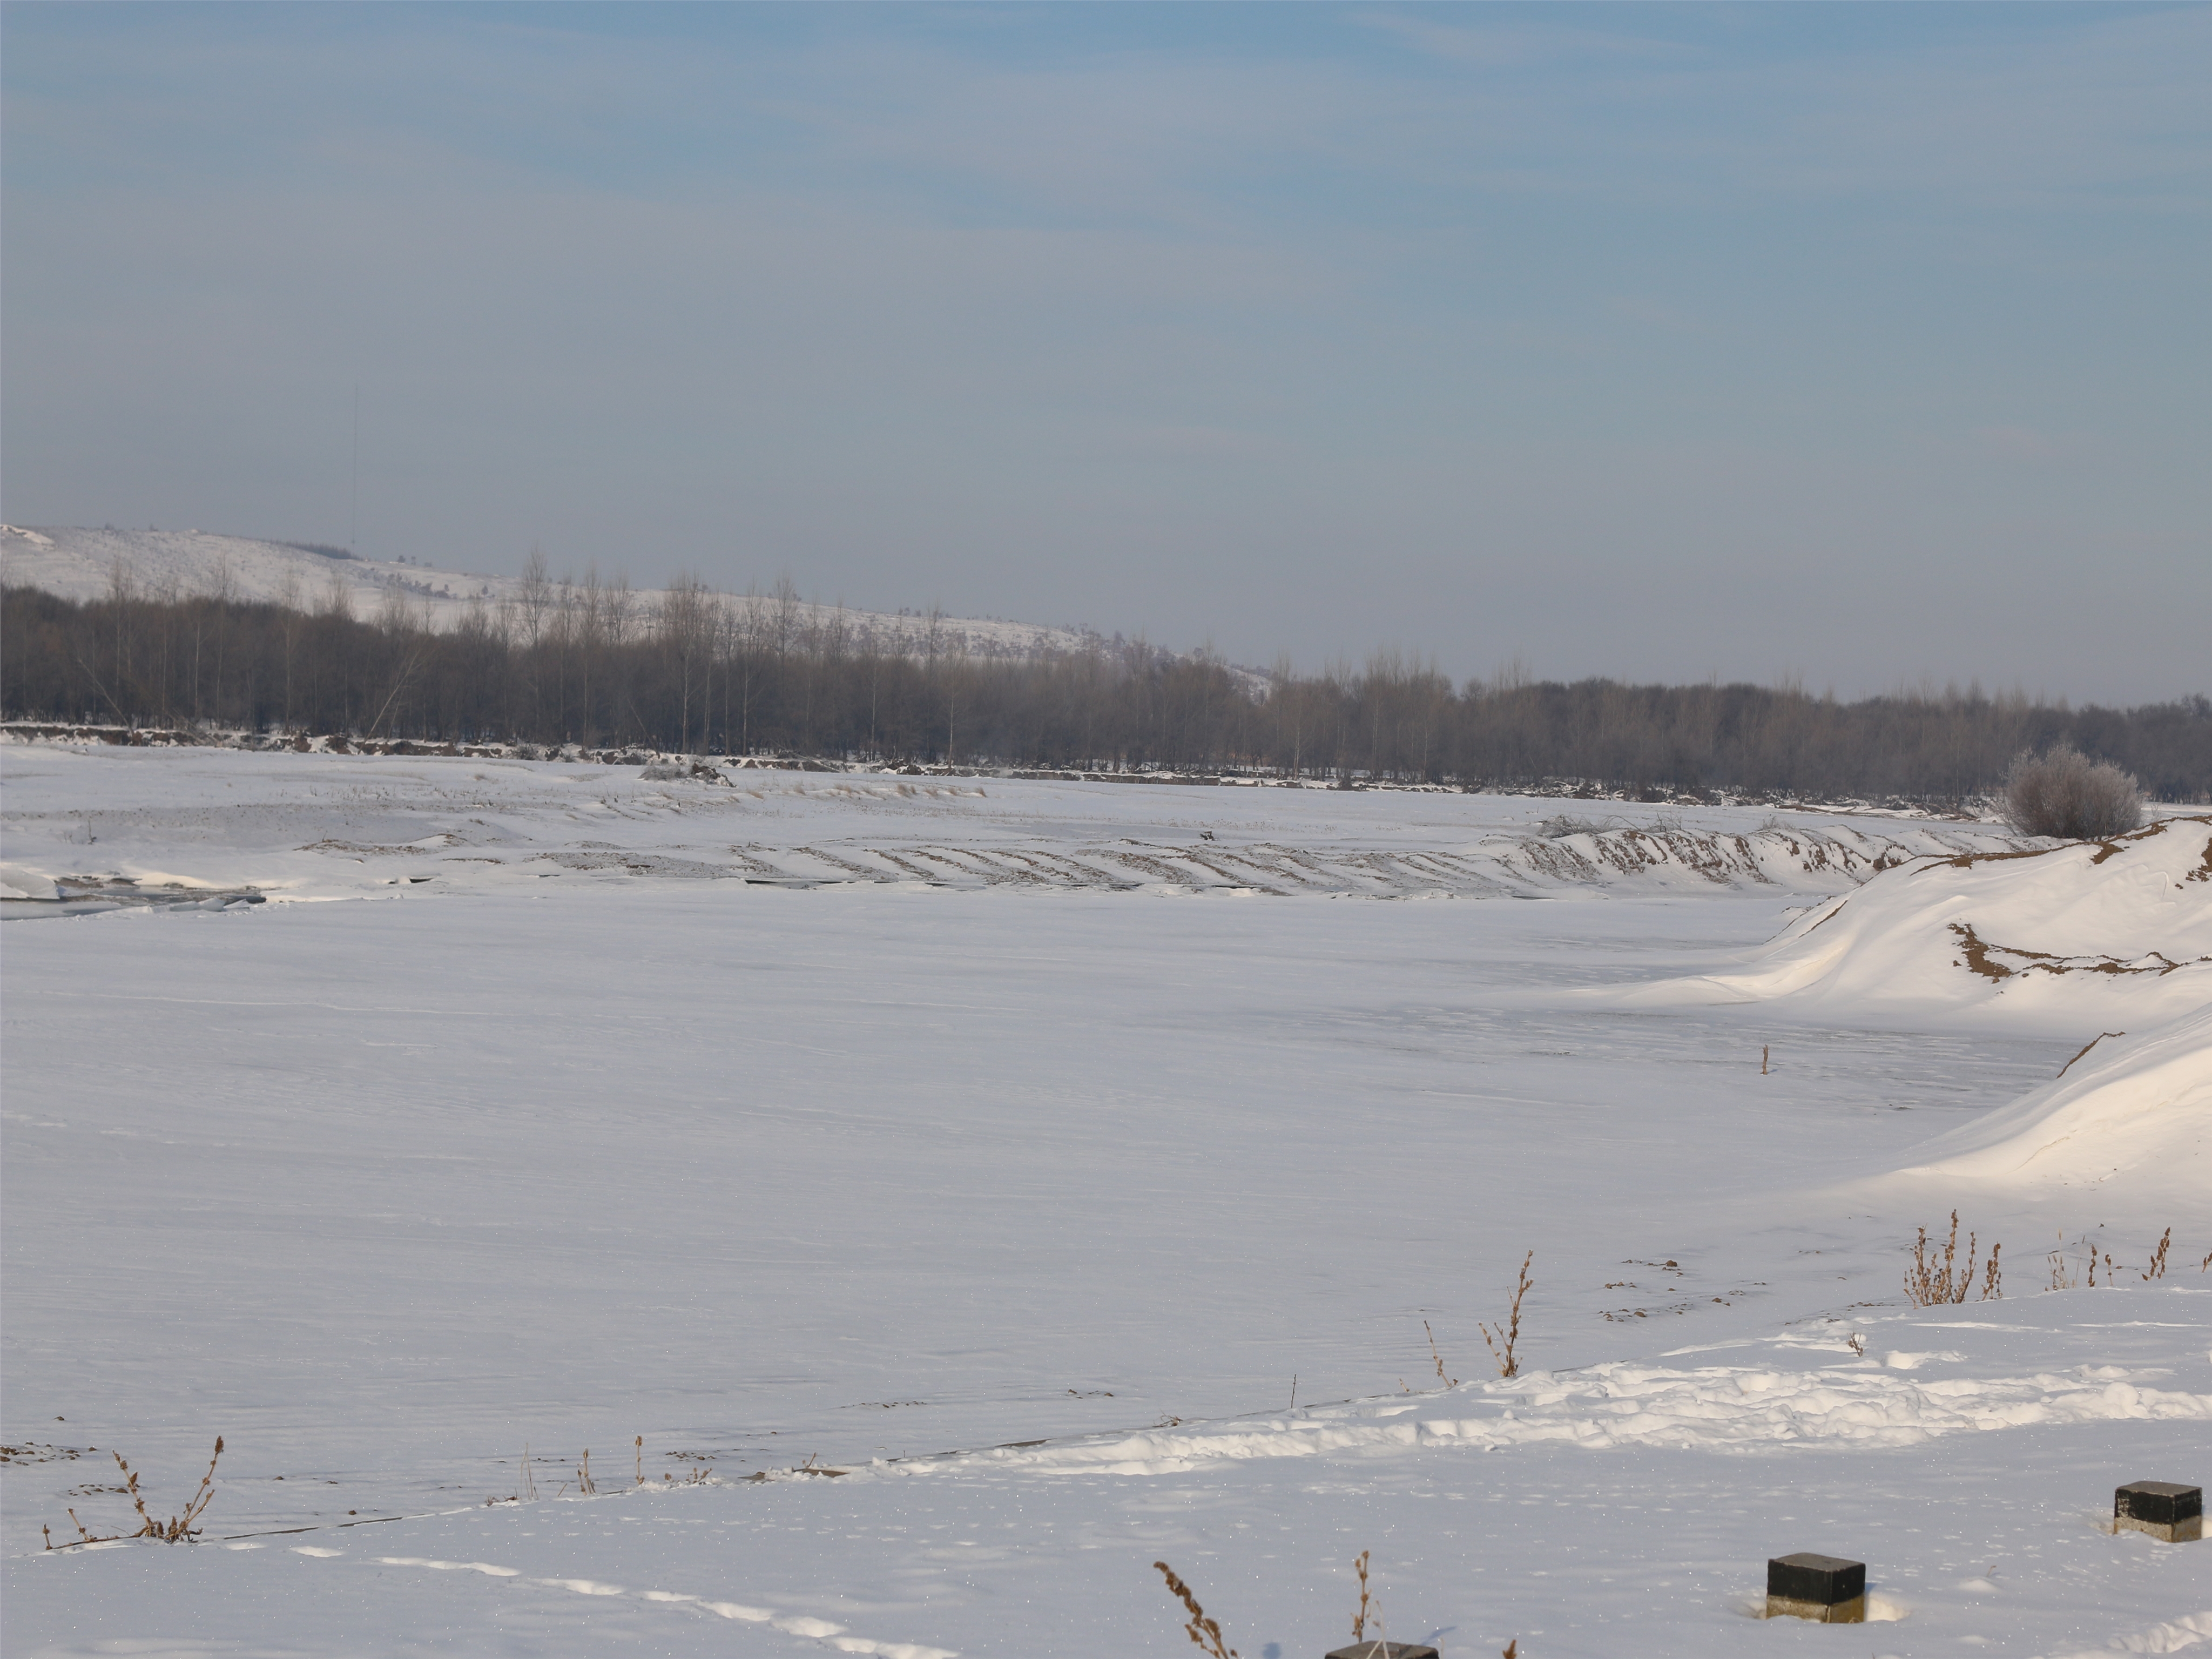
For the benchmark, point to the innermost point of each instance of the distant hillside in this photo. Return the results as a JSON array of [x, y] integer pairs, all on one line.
[[167, 631], [83, 564]]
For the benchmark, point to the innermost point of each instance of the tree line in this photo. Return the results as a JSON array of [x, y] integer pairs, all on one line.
[[698, 671]]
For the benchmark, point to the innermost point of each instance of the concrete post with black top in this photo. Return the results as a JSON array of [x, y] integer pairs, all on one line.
[[2169, 1513], [1825, 1589], [1384, 1651]]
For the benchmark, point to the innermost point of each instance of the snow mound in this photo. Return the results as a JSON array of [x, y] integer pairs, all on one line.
[[2117, 931], [2175, 1636], [2128, 1106]]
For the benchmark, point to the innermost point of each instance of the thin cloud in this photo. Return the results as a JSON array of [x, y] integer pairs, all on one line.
[[1539, 328]]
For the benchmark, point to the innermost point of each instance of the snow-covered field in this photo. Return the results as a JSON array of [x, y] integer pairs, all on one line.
[[811, 1123]]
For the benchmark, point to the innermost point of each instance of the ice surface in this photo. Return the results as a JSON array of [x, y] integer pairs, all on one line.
[[638, 1118]]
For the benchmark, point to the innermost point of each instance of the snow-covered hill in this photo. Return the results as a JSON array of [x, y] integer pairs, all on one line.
[[2119, 931], [84, 564]]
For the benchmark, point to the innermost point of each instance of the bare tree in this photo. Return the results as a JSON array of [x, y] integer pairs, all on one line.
[[394, 614], [686, 626], [770, 673], [533, 597]]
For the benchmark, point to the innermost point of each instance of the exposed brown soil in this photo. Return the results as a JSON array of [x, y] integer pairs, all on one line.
[[1980, 957]]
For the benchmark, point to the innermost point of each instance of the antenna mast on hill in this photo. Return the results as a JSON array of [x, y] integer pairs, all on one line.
[[353, 515]]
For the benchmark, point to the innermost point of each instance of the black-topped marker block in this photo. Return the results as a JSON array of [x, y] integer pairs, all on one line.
[[1821, 1588], [2166, 1511], [1384, 1651]]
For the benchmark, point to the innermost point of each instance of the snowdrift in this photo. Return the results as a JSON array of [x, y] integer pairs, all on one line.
[[2117, 931], [2135, 1108], [17, 883]]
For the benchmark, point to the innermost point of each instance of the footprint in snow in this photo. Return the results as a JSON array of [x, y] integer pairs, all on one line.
[[452, 1567]]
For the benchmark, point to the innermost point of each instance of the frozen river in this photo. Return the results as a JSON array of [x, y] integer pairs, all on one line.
[[467, 1141]]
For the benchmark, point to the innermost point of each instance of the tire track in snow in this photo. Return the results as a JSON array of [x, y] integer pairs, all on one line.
[[792, 1624]]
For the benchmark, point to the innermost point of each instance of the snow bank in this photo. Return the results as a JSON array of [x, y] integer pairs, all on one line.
[[328, 824], [17, 883], [1788, 856], [2137, 1108], [2117, 931], [1860, 1402]]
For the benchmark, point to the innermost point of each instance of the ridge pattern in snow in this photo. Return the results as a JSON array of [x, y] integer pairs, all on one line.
[[329, 825]]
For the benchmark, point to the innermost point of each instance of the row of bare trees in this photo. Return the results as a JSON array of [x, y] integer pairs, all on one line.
[[691, 670]]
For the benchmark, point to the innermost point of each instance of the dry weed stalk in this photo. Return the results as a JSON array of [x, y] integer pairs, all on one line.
[[176, 1529], [529, 1484], [84, 1535], [1509, 1366], [1449, 1382], [1205, 1634], [1359, 1619], [2065, 1277], [2061, 1279], [585, 1484], [1928, 1284], [640, 1460]]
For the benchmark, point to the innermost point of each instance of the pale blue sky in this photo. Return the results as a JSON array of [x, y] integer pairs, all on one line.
[[1857, 343]]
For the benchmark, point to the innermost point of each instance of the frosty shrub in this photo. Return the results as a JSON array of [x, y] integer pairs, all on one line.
[[1559, 828], [2066, 794]]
